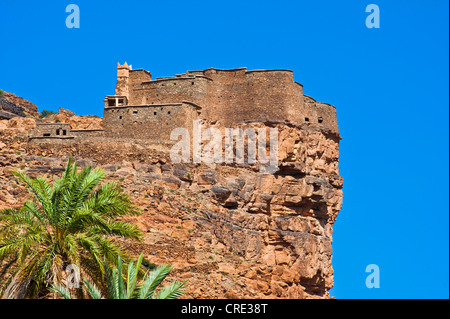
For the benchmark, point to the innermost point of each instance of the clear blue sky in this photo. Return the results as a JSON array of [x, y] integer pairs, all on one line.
[[390, 87]]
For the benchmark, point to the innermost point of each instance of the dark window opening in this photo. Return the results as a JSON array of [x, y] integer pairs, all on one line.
[[306, 119], [154, 113], [174, 84], [46, 134], [64, 132], [135, 112], [192, 83], [121, 101], [168, 112], [58, 132], [120, 117], [320, 120]]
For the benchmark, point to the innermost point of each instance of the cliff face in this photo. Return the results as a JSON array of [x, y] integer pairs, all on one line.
[[231, 230], [15, 106]]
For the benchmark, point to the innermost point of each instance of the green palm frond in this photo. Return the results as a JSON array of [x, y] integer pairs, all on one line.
[[119, 288], [62, 291], [68, 221], [93, 290], [153, 280], [172, 291]]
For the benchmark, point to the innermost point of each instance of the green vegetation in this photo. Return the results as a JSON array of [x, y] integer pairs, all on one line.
[[118, 288], [2, 92], [46, 113], [69, 222]]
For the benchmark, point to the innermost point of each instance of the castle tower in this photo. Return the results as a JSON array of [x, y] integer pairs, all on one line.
[[123, 75]]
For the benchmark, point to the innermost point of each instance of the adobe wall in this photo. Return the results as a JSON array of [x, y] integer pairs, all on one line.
[[170, 90], [88, 133], [273, 94], [228, 96], [51, 130], [136, 77], [236, 95], [320, 114], [154, 122]]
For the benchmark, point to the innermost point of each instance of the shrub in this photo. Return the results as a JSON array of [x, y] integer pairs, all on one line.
[[46, 113]]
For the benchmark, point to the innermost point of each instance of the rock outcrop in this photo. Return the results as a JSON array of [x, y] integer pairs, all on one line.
[[77, 122], [16, 106], [229, 229]]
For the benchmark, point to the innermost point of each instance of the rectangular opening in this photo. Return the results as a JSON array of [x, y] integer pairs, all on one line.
[[135, 112], [46, 134], [64, 132], [58, 132], [111, 102], [154, 113]]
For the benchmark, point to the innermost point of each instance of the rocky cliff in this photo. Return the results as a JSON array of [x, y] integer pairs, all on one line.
[[232, 231], [16, 106]]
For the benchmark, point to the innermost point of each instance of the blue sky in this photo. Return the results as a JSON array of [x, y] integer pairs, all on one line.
[[390, 87]]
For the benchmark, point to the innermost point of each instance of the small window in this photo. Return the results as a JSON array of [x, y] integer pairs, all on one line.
[[120, 117], [64, 132], [174, 84], [58, 132], [46, 134], [192, 83], [154, 113], [135, 112], [320, 120], [306, 119], [168, 112]]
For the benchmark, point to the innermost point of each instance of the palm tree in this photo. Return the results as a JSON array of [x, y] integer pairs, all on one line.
[[69, 222], [117, 288]]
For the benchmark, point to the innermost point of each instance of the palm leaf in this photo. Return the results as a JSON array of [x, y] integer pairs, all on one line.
[[93, 290], [153, 280], [63, 291], [173, 291]]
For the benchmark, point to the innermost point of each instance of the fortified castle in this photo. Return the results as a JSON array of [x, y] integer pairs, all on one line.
[[142, 108]]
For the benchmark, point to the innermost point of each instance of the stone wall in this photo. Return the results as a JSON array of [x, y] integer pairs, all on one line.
[[230, 96], [51, 130], [152, 122]]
